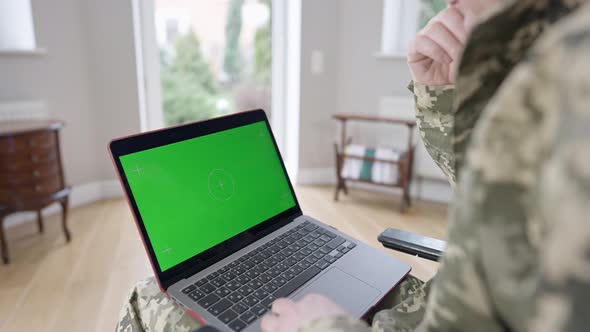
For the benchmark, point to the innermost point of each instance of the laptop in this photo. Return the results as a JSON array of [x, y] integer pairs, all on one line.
[[224, 231]]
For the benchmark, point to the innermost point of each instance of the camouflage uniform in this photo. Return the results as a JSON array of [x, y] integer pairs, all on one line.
[[515, 138], [148, 309]]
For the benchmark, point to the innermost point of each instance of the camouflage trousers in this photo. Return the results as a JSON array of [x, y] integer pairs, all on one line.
[[148, 309]]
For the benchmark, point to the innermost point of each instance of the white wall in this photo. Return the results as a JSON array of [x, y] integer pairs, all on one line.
[[348, 33], [365, 79], [87, 78], [319, 92], [113, 76], [61, 78], [368, 78]]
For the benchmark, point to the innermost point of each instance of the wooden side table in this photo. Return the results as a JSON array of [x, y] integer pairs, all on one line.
[[31, 172]]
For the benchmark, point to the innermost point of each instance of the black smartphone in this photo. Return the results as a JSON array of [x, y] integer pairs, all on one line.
[[413, 244]]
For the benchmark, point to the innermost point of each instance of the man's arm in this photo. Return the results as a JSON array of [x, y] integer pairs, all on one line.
[[433, 56], [435, 120], [527, 184]]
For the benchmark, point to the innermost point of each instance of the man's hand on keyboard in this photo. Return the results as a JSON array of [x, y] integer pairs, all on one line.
[[289, 316]]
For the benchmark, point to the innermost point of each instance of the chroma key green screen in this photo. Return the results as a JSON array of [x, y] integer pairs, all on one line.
[[197, 193]]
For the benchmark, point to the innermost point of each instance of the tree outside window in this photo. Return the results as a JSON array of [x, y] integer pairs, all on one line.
[[217, 60], [429, 9]]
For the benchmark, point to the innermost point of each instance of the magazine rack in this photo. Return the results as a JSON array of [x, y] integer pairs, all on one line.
[[404, 161]]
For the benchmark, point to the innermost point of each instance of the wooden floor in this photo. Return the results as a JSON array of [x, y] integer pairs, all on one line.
[[51, 286]]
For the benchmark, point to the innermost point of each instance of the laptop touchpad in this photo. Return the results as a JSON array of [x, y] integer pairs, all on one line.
[[354, 295]]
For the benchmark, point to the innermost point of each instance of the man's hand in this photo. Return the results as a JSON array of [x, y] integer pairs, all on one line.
[[289, 316], [435, 52]]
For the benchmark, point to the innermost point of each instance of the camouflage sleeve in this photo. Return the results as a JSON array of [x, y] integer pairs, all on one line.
[[148, 309], [406, 311], [435, 121], [459, 298]]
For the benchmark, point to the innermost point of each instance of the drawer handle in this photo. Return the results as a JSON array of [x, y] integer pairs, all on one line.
[[36, 173], [38, 188], [32, 143], [35, 159]]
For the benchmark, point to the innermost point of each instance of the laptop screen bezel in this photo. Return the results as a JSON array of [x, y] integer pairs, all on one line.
[[158, 138]]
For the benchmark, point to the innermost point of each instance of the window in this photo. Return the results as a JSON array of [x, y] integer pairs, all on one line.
[[270, 39], [402, 19], [215, 57], [16, 26], [172, 31]]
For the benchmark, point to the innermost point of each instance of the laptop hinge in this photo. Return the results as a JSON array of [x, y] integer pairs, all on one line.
[[190, 272]]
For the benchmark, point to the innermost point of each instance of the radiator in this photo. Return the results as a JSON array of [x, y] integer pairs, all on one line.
[[23, 110]]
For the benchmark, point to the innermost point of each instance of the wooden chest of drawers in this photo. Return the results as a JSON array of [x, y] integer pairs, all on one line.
[[31, 172]]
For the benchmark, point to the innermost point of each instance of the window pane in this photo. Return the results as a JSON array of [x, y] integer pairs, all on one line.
[[16, 25], [215, 57]]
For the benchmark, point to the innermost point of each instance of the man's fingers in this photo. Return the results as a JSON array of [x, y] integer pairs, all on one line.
[[269, 323], [282, 305], [425, 46], [454, 20], [281, 317], [441, 35]]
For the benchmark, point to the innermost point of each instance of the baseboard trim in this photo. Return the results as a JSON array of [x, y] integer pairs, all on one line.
[[428, 189], [81, 195], [317, 176]]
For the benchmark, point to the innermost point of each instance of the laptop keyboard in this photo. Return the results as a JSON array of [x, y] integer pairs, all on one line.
[[244, 290]]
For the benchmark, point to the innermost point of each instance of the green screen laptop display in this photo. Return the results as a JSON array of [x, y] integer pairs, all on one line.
[[197, 193]]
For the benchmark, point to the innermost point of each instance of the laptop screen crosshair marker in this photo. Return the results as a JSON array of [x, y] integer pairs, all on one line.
[[138, 170], [221, 184]]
